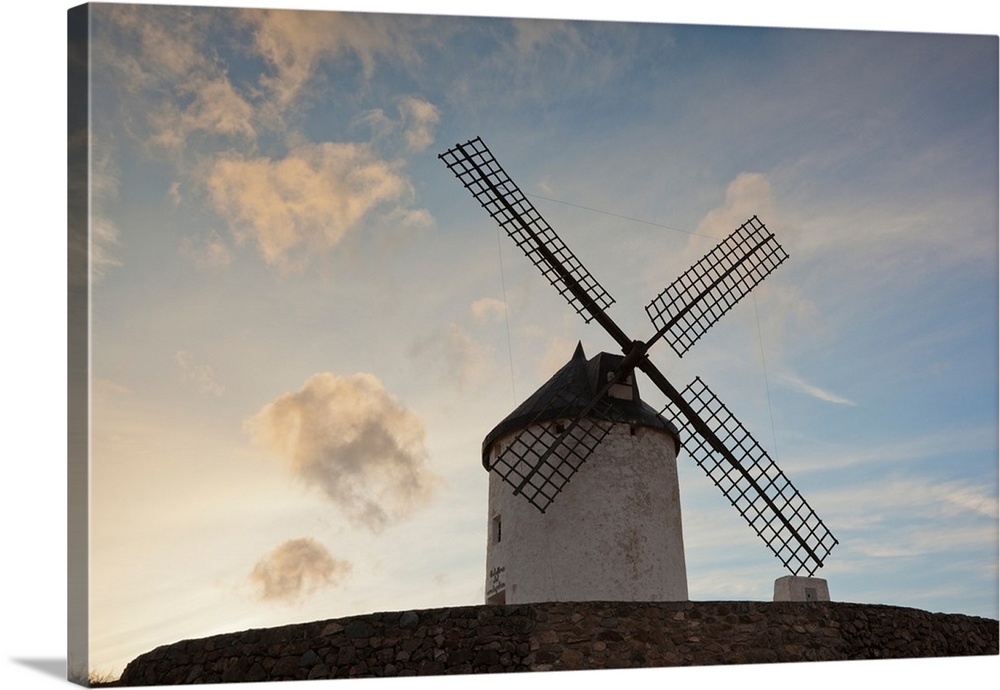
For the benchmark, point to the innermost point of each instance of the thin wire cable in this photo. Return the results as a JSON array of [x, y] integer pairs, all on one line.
[[618, 215], [763, 366], [506, 315]]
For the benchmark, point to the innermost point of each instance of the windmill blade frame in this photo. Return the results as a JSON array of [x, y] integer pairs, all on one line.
[[540, 476], [692, 304], [747, 476], [478, 170]]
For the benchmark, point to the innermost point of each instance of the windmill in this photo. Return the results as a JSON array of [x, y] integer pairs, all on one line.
[[538, 460]]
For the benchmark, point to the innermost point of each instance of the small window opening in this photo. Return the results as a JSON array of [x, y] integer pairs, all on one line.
[[497, 530], [631, 429]]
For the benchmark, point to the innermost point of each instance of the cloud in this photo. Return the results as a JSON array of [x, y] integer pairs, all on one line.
[[531, 35], [420, 118], [455, 355], [779, 311], [944, 442], [294, 43], [161, 57], [104, 235], [351, 440], [488, 309], [213, 106], [209, 253], [201, 375], [308, 200], [557, 353], [922, 497], [415, 124], [545, 56], [815, 391], [747, 195], [295, 569], [916, 517]]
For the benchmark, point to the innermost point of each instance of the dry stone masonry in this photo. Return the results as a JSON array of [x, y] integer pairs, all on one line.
[[564, 636]]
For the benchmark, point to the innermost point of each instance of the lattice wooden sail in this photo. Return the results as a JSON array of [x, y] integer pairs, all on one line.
[[476, 168], [754, 484], [695, 301]]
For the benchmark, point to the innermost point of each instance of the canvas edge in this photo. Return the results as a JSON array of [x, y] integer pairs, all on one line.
[[78, 343]]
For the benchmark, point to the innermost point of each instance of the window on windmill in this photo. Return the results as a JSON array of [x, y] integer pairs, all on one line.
[[497, 529], [621, 390]]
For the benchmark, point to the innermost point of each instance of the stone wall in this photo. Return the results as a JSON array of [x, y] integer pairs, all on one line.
[[557, 636]]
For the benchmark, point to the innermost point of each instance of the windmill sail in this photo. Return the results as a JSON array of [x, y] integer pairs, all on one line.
[[476, 168], [542, 459], [563, 423], [710, 288], [754, 484]]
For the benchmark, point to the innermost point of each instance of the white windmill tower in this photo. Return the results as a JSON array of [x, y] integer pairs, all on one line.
[[615, 531]]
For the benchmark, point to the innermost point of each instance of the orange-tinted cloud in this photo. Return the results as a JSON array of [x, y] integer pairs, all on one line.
[[348, 438], [175, 84], [296, 42], [295, 569], [308, 200], [420, 119]]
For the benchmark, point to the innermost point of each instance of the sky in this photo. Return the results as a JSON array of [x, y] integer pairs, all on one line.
[[302, 327]]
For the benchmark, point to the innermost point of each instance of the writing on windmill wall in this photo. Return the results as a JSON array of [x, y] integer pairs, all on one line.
[[496, 583]]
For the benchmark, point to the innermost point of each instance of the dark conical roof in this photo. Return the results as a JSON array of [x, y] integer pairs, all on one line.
[[568, 392]]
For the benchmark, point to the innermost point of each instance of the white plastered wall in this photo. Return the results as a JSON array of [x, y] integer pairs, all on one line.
[[613, 533]]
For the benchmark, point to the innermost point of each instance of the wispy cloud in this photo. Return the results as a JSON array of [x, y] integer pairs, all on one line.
[[918, 496], [306, 201], [803, 386], [746, 195], [420, 118], [354, 442], [454, 356], [211, 105], [488, 309], [295, 569], [201, 376], [104, 235], [944, 443], [557, 353], [295, 43], [544, 52], [210, 252], [177, 88]]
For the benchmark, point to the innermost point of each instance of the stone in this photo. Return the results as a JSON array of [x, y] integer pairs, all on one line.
[[309, 659], [332, 629], [358, 629], [409, 620]]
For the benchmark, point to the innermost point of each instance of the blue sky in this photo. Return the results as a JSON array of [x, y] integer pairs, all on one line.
[[277, 246]]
